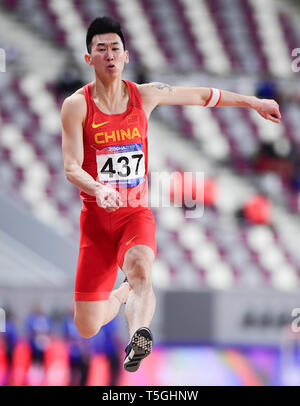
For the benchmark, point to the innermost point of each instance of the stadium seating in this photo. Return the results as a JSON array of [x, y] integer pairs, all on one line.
[[242, 234], [43, 20]]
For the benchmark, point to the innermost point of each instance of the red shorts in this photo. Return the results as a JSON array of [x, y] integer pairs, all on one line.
[[104, 239]]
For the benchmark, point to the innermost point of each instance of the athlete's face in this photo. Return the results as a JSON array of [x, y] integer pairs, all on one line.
[[107, 55]]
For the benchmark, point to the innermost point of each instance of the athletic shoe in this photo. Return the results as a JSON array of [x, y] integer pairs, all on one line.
[[139, 348]]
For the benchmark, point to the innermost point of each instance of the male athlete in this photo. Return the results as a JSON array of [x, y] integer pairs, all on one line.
[[104, 145]]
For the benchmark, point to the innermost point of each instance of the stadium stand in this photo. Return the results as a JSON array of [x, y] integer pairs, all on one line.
[[246, 237]]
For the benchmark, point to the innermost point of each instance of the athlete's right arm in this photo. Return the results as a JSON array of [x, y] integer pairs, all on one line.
[[72, 116]]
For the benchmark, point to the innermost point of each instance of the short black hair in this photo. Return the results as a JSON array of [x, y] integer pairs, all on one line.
[[103, 25]]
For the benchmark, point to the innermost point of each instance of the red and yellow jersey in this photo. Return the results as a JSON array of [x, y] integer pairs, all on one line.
[[116, 147]]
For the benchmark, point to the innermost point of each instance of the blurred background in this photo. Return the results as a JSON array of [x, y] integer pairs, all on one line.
[[227, 284]]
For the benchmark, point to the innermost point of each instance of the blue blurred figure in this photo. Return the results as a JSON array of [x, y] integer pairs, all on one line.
[[79, 351], [38, 326], [267, 89]]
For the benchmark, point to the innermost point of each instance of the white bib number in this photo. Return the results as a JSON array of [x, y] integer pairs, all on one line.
[[123, 165]]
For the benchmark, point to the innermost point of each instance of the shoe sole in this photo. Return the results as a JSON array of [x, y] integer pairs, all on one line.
[[141, 347]]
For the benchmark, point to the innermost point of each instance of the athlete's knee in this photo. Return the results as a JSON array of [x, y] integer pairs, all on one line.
[[139, 273], [86, 328], [137, 266]]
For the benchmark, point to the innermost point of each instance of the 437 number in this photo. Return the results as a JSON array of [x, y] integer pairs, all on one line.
[[126, 166]]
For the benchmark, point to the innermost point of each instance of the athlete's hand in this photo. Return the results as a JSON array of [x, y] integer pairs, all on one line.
[[269, 109], [108, 198]]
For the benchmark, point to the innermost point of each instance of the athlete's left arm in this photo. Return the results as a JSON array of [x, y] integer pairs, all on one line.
[[158, 94]]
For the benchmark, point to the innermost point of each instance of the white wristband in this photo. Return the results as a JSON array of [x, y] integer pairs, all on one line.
[[214, 99]]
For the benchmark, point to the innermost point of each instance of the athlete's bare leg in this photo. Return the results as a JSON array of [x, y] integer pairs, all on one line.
[[90, 316], [141, 301]]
